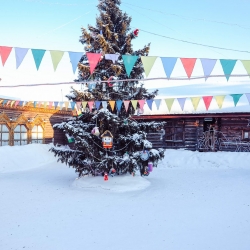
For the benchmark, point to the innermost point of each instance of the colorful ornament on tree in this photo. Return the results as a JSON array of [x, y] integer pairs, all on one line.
[[106, 178], [144, 155], [112, 172], [150, 166], [95, 131], [107, 139], [136, 32]]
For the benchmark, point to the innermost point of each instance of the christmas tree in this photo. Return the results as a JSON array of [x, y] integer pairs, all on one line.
[[105, 137]]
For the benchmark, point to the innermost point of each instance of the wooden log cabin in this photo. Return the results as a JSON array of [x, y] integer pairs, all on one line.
[[26, 125], [203, 132]]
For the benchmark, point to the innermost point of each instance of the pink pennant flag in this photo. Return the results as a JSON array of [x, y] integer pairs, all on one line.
[[126, 104], [16, 103], [4, 53], [93, 58], [39, 104], [78, 105], [188, 64], [8, 102], [91, 104], [207, 100], [50, 105], [141, 103]]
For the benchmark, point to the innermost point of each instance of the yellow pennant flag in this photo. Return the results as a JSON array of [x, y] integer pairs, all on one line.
[[169, 103], [219, 99], [112, 105], [11, 104], [195, 101], [134, 104], [56, 56], [84, 104], [45, 105], [66, 105]]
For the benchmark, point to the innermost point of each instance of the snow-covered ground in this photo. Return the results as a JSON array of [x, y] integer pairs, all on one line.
[[192, 201]]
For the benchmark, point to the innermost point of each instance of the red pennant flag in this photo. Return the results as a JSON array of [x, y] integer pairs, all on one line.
[[207, 100], [5, 52], [50, 105], [93, 58], [188, 64]]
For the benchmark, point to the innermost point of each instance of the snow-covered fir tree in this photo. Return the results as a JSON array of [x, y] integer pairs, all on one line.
[[107, 138]]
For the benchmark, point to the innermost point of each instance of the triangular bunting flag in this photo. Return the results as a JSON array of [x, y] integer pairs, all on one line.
[[12, 103], [248, 97], [104, 104], [169, 102], [20, 54], [188, 64], [168, 64], [56, 104], [113, 57], [208, 66], [246, 64], [74, 59], [16, 103], [129, 63], [21, 103], [134, 104], [79, 105], [207, 101], [72, 105], [195, 101], [236, 98], [56, 56], [50, 105], [4, 53], [227, 66], [97, 104], [157, 103], [148, 62], [112, 105], [4, 102], [119, 105], [93, 59], [61, 105], [182, 102], [66, 105], [150, 102], [126, 104], [91, 105], [84, 104], [35, 104], [219, 99], [141, 103], [45, 105], [38, 56]]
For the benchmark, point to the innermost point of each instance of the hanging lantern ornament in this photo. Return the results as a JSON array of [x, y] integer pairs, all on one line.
[[107, 139], [136, 32], [95, 131], [144, 155]]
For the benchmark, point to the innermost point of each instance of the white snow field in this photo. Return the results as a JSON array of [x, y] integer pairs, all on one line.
[[191, 201]]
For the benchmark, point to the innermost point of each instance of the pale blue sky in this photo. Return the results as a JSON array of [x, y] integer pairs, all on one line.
[[40, 24], [56, 25]]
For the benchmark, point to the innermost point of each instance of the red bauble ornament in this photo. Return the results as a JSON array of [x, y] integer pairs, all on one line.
[[136, 32]]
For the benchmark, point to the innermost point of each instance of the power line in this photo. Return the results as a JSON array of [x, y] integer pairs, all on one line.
[[124, 80], [189, 18]]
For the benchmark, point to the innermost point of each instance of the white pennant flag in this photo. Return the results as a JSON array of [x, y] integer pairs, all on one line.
[[113, 57]]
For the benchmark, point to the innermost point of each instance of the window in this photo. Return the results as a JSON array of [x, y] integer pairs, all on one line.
[[20, 135], [245, 135], [37, 134], [4, 135]]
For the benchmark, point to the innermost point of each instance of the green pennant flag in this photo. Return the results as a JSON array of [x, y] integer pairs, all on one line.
[[228, 66], [129, 62], [195, 101], [56, 56], [236, 98], [148, 62], [169, 103], [38, 56], [219, 99], [246, 64], [134, 103]]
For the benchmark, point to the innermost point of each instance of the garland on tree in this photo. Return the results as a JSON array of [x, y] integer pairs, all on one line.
[[104, 141]]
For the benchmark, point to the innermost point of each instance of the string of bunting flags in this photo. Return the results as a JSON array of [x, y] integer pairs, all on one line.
[[128, 60], [78, 107]]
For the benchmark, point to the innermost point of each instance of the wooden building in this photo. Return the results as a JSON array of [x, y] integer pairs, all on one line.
[[203, 132], [26, 125]]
